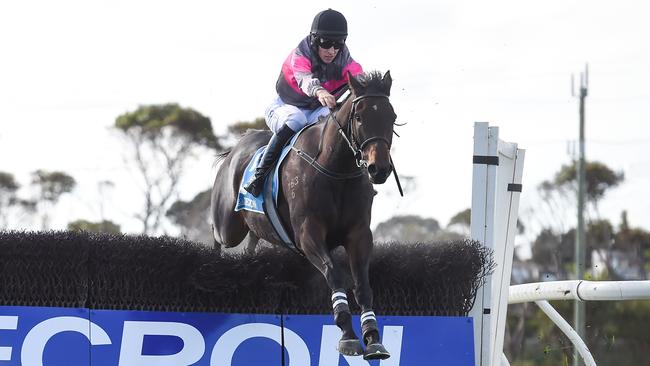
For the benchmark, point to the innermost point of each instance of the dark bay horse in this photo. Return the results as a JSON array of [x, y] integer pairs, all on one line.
[[325, 197]]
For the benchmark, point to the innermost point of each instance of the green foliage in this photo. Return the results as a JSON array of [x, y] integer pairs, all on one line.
[[462, 218], [152, 120], [616, 334], [181, 211], [104, 226], [544, 344], [628, 238], [599, 178], [616, 331], [600, 234], [240, 127], [410, 229], [52, 184], [193, 217], [552, 251], [8, 183], [163, 139], [8, 188]]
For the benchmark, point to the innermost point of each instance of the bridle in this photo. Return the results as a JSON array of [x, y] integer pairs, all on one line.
[[349, 135], [356, 147]]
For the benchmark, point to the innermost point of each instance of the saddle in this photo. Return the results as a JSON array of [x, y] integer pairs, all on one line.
[[267, 202]]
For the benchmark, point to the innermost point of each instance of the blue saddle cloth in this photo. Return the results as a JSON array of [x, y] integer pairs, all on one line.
[[248, 202]]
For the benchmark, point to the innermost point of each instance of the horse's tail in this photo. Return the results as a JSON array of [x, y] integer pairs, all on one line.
[[220, 157]]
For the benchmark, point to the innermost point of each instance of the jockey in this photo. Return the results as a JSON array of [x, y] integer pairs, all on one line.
[[313, 70]]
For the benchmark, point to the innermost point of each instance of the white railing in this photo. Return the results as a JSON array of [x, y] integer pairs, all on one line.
[[542, 292], [580, 290]]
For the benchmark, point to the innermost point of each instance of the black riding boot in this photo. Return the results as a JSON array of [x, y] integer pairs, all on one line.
[[278, 140]]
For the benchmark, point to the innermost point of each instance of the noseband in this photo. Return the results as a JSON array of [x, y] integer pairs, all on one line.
[[350, 137]]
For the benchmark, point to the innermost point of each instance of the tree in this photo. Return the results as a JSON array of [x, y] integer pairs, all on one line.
[[104, 226], [412, 228], [163, 139], [553, 252], [50, 186], [553, 248], [8, 188], [193, 217], [237, 129], [598, 177], [616, 331], [11, 205], [462, 218], [634, 243], [240, 127], [462, 222]]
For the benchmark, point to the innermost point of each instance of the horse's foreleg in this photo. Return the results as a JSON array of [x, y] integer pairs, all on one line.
[[359, 250], [315, 249], [252, 243]]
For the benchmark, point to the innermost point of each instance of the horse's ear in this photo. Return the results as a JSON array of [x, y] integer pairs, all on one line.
[[387, 81], [355, 85]]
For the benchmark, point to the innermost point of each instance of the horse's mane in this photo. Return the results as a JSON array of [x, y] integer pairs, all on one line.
[[373, 81]]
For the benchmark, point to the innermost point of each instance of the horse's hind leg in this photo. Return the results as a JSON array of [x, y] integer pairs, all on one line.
[[359, 249], [228, 230], [314, 247], [228, 226]]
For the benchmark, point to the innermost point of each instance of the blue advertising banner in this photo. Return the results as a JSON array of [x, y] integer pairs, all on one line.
[[33, 336]]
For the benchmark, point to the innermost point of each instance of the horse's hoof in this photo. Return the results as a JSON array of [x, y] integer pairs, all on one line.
[[375, 351], [350, 347]]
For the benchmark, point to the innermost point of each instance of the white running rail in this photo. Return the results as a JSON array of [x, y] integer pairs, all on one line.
[[580, 290], [542, 292]]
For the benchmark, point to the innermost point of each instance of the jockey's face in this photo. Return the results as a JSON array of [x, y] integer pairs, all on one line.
[[327, 55]]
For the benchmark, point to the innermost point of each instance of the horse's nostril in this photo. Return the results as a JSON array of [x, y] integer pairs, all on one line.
[[372, 169], [384, 172]]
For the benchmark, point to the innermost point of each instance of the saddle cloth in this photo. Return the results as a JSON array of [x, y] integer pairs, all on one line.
[[248, 202], [267, 202]]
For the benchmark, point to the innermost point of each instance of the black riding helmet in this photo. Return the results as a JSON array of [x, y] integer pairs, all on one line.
[[330, 24]]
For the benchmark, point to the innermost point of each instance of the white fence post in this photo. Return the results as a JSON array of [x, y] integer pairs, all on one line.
[[496, 186]]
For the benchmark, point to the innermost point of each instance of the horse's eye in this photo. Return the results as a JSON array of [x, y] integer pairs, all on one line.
[[357, 118]]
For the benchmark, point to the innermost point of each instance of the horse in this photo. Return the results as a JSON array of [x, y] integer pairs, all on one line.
[[325, 198]]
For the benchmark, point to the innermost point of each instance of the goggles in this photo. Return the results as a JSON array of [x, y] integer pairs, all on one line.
[[328, 43]]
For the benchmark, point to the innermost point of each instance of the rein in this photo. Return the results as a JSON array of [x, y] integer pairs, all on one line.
[[353, 144]]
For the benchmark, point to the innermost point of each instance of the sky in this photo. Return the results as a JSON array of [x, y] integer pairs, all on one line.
[[68, 68]]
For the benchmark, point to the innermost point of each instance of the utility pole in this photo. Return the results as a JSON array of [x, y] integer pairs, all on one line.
[[579, 313]]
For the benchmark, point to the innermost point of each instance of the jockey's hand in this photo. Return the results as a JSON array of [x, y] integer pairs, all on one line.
[[326, 99]]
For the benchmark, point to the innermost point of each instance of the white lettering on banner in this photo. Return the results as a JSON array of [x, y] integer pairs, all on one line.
[[194, 347], [133, 339], [7, 323], [36, 339], [392, 340], [225, 347], [329, 356]]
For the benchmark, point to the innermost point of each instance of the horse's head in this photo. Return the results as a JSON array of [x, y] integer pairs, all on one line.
[[371, 123]]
